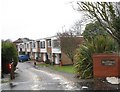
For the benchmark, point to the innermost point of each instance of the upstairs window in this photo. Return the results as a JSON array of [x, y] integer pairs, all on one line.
[[27, 45], [42, 44], [23, 46], [38, 44], [56, 44], [49, 43], [20, 46], [33, 44]]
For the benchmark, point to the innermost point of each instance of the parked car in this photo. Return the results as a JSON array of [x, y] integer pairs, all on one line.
[[23, 58]]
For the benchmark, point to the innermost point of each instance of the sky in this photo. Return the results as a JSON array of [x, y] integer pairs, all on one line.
[[35, 19]]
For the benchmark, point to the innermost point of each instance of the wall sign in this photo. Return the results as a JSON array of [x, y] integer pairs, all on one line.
[[107, 62]]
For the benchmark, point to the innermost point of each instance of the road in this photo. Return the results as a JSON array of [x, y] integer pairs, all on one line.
[[30, 78]]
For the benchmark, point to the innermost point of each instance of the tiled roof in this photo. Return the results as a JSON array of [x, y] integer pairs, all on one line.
[[20, 40]]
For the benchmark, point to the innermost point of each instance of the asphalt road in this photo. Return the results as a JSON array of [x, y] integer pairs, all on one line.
[[29, 77]]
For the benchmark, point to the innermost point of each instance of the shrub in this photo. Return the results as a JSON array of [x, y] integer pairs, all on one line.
[[9, 53], [83, 57]]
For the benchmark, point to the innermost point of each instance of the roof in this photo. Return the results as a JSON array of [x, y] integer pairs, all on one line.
[[20, 40]]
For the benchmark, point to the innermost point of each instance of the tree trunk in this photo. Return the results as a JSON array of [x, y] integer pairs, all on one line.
[[72, 61]]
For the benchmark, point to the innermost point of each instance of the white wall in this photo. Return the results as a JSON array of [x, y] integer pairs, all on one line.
[[57, 59], [44, 57]]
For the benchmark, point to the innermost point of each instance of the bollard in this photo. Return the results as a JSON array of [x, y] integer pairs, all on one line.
[[60, 63], [12, 71]]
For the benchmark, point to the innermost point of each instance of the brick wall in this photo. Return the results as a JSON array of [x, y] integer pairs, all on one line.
[[65, 59], [106, 65]]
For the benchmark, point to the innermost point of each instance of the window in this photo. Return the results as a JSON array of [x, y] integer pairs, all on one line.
[[42, 44], [49, 43], [38, 44], [56, 44], [27, 45], [33, 44], [20, 46], [23, 46]]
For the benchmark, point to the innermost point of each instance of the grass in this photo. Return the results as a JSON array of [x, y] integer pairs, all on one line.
[[43, 64], [67, 69]]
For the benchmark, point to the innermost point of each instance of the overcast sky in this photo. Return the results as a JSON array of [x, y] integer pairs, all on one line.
[[35, 19]]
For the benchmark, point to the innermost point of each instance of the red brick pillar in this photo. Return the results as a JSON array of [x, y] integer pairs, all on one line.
[[106, 65]]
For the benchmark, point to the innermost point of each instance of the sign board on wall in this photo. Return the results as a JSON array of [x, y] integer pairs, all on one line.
[[108, 62]]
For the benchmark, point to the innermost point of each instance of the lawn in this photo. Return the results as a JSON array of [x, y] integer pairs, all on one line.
[[68, 68], [43, 64]]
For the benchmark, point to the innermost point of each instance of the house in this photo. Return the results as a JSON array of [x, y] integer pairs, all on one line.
[[45, 49], [21, 48], [55, 50], [20, 41], [49, 49], [29, 48], [60, 45], [35, 49]]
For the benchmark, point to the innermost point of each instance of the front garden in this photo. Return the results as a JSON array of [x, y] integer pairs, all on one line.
[[66, 69]]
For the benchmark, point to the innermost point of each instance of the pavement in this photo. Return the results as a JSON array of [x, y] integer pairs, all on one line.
[[6, 78], [89, 84]]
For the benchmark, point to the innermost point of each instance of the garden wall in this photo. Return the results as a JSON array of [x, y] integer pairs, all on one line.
[[106, 65]]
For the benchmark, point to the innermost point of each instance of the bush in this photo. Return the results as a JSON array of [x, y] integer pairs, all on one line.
[[9, 53], [83, 57], [97, 40], [83, 61]]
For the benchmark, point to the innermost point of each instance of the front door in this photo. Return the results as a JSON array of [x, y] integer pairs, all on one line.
[[57, 59]]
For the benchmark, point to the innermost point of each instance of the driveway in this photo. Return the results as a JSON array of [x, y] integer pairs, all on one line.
[[29, 77]]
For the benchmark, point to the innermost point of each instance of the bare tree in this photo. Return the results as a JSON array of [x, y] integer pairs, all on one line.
[[69, 42], [77, 27], [106, 13]]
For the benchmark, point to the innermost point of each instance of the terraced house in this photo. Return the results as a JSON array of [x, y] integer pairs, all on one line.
[[47, 49]]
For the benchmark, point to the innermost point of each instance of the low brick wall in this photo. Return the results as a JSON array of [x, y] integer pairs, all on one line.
[[106, 65]]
